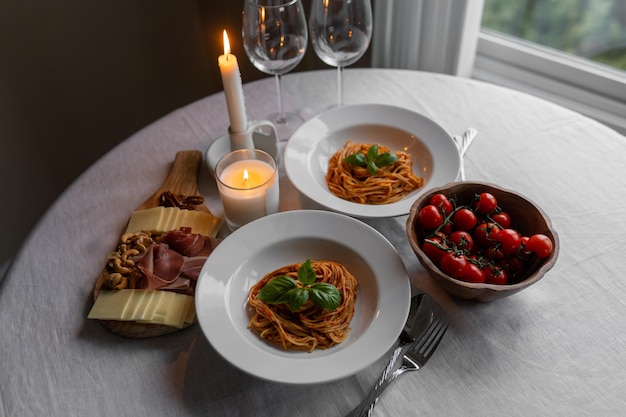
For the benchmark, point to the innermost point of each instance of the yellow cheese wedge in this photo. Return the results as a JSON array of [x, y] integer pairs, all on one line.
[[187, 218], [160, 311], [138, 302], [110, 305], [179, 220], [168, 219], [163, 219], [190, 317], [145, 220], [144, 306], [175, 311]]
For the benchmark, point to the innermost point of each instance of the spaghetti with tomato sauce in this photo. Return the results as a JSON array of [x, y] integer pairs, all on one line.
[[357, 184], [309, 327]]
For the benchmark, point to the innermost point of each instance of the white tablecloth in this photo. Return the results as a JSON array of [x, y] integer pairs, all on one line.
[[554, 349]]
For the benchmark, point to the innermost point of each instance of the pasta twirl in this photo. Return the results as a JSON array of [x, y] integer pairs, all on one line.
[[310, 327], [390, 184]]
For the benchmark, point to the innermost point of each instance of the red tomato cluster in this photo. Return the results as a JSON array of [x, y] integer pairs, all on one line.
[[476, 242]]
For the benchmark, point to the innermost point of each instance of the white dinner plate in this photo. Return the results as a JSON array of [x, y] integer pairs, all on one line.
[[244, 257], [434, 155]]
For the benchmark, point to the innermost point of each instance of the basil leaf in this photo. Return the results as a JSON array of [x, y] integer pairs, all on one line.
[[306, 273], [372, 168], [386, 158], [356, 159], [325, 295], [372, 152], [284, 289], [297, 297], [276, 291]]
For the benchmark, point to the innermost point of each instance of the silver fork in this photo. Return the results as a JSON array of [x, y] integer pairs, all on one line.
[[415, 358]]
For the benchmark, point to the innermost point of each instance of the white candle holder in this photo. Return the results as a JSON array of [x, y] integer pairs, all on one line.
[[260, 134]]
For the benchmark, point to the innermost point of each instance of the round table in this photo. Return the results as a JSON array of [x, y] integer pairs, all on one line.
[[555, 349]]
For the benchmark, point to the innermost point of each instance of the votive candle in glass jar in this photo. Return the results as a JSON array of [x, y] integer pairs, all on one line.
[[247, 181]]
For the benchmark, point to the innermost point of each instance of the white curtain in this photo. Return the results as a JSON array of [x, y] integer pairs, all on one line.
[[428, 35]]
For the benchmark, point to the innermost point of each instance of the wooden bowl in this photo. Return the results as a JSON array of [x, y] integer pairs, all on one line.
[[526, 217]]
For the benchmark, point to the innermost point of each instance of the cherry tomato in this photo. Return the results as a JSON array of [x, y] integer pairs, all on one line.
[[486, 203], [523, 251], [476, 242], [540, 245], [495, 275], [464, 219], [493, 253], [447, 228], [461, 240], [514, 267], [454, 264], [430, 217], [434, 248], [473, 274], [503, 219], [486, 234], [509, 241], [442, 203]]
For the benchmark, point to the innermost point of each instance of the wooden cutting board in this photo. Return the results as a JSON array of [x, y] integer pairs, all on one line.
[[182, 179]]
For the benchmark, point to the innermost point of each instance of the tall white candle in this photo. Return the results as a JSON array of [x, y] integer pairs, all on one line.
[[233, 90], [248, 188]]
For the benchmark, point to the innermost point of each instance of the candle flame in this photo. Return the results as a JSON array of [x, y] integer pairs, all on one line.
[[245, 176], [226, 44]]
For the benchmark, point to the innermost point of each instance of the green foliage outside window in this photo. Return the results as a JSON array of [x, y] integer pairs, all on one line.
[[593, 29]]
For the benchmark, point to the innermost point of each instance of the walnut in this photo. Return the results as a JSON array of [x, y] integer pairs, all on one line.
[[115, 281], [169, 199]]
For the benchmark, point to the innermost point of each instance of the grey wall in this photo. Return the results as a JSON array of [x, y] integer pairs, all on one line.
[[78, 77]]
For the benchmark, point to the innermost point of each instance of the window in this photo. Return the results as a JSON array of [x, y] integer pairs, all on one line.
[[569, 51], [592, 29]]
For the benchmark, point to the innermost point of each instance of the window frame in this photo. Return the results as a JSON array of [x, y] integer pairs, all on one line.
[[595, 90]]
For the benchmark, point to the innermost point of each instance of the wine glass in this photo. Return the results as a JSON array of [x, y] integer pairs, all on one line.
[[275, 37], [340, 33]]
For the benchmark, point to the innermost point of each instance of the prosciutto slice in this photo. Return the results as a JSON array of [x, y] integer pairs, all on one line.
[[192, 266], [184, 242], [174, 264], [160, 265]]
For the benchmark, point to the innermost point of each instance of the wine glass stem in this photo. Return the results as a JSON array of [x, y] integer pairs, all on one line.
[[279, 92], [339, 86]]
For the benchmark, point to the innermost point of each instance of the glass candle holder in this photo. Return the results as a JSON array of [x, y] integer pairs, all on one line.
[[247, 180]]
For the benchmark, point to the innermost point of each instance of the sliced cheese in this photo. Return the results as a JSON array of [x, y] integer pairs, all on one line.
[[109, 305], [187, 217], [149, 309], [205, 223], [176, 311], [171, 310], [179, 220], [163, 219], [190, 317], [147, 220], [136, 305], [160, 311], [143, 306], [168, 218]]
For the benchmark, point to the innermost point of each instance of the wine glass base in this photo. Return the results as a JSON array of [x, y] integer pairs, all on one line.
[[287, 125]]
